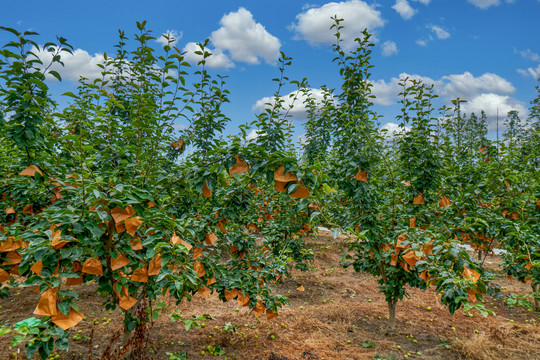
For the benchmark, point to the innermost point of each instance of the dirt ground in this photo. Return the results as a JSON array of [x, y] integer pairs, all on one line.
[[340, 315]]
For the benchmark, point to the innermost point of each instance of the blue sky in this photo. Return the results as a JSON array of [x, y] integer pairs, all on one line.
[[485, 51]]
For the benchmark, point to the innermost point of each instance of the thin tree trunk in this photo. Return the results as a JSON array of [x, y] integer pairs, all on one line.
[[535, 302], [392, 305]]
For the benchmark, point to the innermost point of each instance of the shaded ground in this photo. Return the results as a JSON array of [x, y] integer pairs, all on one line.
[[340, 315]]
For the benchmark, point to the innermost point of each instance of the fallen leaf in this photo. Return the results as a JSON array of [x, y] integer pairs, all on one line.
[[300, 288]]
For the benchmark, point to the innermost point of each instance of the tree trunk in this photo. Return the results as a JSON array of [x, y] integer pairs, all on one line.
[[535, 302], [392, 305]]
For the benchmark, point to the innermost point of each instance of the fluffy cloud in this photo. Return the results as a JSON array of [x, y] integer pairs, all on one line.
[[440, 32], [172, 34], [293, 103], [389, 48], [244, 39], [385, 92], [81, 63], [494, 104], [425, 2], [533, 72], [404, 9], [313, 25], [467, 85], [218, 60]]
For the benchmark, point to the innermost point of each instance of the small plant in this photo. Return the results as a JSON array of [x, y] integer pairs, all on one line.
[[179, 355], [196, 322], [368, 344]]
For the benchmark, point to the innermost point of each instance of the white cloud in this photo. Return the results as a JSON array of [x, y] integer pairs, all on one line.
[[529, 55], [245, 40], [440, 32], [404, 9], [424, 42], [293, 102], [389, 48], [173, 35], [385, 92], [467, 85], [253, 134], [425, 2], [313, 25], [218, 60], [533, 72], [393, 130], [493, 104], [81, 63], [484, 4]]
